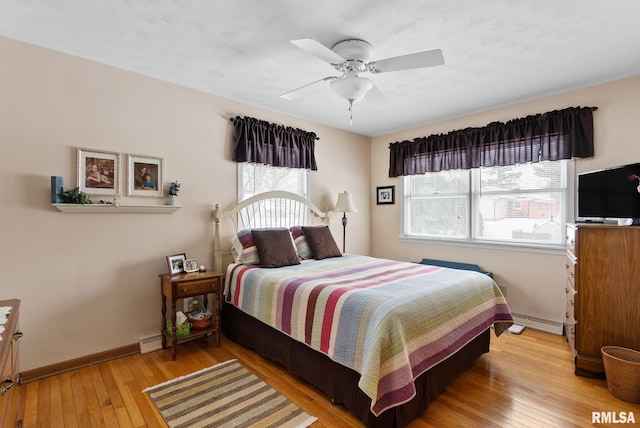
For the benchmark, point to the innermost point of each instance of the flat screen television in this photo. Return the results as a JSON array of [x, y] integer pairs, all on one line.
[[610, 193]]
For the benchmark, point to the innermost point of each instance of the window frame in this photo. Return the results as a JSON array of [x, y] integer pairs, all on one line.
[[567, 215], [240, 179]]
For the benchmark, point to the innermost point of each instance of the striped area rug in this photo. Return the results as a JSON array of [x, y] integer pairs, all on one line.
[[225, 395]]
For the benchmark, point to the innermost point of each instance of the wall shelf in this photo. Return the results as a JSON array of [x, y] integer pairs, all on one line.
[[107, 208]]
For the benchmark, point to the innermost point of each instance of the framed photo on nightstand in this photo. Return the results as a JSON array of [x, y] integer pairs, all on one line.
[[176, 263], [191, 265]]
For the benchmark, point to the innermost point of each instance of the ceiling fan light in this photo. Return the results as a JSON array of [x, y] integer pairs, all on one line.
[[352, 88]]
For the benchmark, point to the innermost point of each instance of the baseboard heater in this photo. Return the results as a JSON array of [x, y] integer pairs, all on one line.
[[150, 343], [538, 323]]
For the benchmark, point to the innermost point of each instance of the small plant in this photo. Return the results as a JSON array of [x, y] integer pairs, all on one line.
[[75, 196], [174, 188]]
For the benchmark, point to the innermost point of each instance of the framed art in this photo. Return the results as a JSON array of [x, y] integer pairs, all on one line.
[[191, 265], [145, 175], [176, 263], [385, 195], [98, 172]]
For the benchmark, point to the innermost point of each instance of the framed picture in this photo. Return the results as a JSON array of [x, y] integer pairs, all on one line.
[[386, 195], [98, 172], [191, 265], [145, 175], [176, 263]]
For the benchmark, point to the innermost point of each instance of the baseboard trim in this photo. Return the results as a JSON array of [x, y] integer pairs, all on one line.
[[538, 323], [77, 363]]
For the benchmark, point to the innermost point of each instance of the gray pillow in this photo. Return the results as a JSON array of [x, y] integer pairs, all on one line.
[[321, 242], [275, 248]]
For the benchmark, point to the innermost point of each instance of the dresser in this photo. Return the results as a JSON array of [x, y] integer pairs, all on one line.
[[9, 364], [602, 292]]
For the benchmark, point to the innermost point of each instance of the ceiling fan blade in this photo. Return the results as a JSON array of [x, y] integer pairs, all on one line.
[[406, 62], [291, 95], [319, 50], [375, 96]]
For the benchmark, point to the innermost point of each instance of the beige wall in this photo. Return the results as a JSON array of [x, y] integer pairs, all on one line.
[[89, 282], [535, 282]]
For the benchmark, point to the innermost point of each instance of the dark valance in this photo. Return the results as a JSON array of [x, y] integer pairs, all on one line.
[[555, 135], [258, 141]]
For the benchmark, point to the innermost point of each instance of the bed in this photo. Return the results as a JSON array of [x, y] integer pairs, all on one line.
[[381, 337]]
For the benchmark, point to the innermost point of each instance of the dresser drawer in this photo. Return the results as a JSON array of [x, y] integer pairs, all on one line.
[[571, 272], [196, 288], [570, 296], [570, 332]]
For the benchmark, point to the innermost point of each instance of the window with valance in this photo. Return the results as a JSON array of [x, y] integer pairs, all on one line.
[[506, 184]]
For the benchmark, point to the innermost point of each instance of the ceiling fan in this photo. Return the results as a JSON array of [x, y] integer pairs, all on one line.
[[353, 56]]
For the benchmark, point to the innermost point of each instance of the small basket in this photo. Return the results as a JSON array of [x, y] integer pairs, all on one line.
[[622, 367], [200, 323]]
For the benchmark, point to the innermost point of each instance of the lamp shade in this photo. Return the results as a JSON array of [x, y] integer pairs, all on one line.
[[345, 203]]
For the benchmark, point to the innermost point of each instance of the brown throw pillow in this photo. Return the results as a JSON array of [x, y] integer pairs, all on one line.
[[275, 248], [321, 242]]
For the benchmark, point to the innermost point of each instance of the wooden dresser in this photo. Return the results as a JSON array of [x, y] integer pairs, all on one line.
[[9, 366], [602, 292]]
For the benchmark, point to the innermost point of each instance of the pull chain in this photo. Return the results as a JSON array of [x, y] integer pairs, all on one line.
[[350, 112]]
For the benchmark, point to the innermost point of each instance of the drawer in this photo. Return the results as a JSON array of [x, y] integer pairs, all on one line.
[[569, 315], [571, 272], [570, 327], [196, 288], [570, 295], [570, 239]]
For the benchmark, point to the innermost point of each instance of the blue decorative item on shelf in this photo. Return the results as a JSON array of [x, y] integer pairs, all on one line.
[[56, 189]]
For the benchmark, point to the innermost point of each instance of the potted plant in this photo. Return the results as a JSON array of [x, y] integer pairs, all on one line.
[[75, 196]]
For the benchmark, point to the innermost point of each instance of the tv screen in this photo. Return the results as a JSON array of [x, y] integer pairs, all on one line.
[[609, 193]]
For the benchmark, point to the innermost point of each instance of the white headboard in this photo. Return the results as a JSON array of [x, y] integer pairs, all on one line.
[[270, 209]]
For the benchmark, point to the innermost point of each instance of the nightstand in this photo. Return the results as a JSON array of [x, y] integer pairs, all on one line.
[[191, 284]]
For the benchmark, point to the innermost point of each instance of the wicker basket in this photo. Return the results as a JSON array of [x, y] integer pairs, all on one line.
[[622, 367], [199, 324]]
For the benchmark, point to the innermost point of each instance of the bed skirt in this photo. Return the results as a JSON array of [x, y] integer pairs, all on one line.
[[338, 382]]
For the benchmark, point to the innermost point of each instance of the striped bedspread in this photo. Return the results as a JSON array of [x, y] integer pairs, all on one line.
[[390, 321]]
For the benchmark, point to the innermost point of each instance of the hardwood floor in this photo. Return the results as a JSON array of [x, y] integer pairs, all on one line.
[[526, 380]]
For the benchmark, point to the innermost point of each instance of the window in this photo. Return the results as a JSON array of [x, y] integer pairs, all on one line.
[[523, 204], [258, 178]]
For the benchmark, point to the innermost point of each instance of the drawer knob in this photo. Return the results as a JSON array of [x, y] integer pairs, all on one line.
[[8, 384], [184, 290], [17, 335]]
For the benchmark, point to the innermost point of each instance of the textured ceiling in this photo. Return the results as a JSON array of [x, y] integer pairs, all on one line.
[[496, 52]]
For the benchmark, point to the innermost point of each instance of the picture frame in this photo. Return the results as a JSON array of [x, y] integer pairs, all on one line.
[[385, 195], [191, 265], [176, 263], [145, 176], [98, 172]]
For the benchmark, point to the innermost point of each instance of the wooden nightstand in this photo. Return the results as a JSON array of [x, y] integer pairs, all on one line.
[[182, 285]]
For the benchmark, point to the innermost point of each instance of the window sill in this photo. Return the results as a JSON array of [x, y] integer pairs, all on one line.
[[109, 208], [543, 249]]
